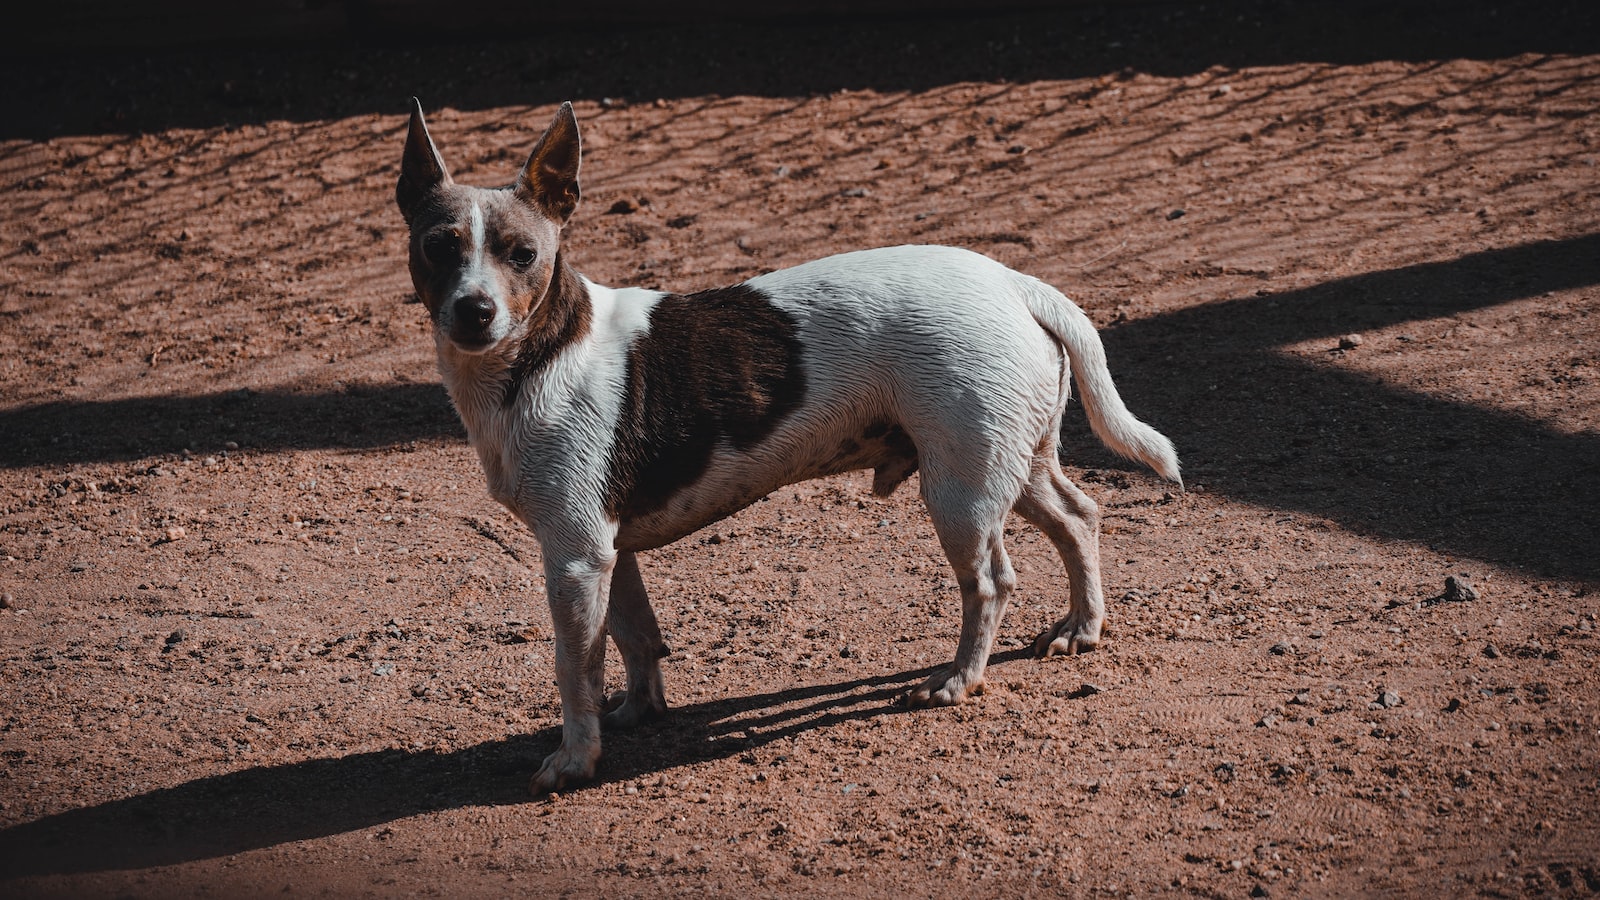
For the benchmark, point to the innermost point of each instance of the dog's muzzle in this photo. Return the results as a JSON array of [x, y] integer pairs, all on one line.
[[471, 321]]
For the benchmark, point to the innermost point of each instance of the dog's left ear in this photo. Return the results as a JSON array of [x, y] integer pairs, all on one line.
[[550, 179], [421, 169]]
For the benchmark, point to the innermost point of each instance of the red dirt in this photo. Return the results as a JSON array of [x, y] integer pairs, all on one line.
[[265, 633]]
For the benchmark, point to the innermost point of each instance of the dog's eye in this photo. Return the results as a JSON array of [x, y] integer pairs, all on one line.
[[442, 248], [522, 257]]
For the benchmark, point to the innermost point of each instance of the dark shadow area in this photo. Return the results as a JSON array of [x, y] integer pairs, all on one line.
[[264, 807], [366, 66], [70, 433], [1250, 421], [1277, 430]]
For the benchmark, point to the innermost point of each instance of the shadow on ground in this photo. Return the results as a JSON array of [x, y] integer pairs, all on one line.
[[55, 91], [266, 806], [1251, 422]]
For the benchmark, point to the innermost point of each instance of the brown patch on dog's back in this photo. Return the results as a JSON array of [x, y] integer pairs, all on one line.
[[716, 367]]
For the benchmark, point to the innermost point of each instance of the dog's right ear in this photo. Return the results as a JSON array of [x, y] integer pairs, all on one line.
[[421, 169]]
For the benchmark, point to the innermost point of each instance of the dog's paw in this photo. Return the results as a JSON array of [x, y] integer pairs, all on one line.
[[1067, 637], [565, 768], [626, 710], [943, 688]]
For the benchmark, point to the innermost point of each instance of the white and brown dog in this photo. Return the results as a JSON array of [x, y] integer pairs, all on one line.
[[618, 420]]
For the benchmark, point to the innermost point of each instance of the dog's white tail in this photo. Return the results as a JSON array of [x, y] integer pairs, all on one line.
[[1117, 428]]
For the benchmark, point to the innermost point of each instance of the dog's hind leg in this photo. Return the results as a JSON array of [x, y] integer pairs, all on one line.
[[1071, 521], [972, 534], [633, 626]]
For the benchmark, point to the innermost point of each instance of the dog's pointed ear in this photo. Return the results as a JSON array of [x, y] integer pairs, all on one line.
[[550, 179], [421, 169]]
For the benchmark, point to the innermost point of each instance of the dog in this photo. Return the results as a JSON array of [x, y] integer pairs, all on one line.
[[613, 421]]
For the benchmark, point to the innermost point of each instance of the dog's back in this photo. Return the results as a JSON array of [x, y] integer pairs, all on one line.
[[900, 358]]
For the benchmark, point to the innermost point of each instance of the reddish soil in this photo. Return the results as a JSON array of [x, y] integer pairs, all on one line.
[[265, 633]]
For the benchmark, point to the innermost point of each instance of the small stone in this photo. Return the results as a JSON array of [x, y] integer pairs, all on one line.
[[1259, 891], [846, 652], [231, 445], [383, 669], [177, 637], [175, 533], [1389, 700], [7, 601], [1491, 651], [1176, 214], [1087, 689], [1281, 648], [1267, 721], [1302, 699], [1458, 590], [1454, 705], [681, 221], [625, 206], [1350, 342], [855, 192]]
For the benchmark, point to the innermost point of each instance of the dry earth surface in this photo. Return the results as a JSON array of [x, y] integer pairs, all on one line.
[[264, 633]]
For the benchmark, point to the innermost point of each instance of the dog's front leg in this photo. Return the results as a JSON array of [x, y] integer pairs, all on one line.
[[579, 584]]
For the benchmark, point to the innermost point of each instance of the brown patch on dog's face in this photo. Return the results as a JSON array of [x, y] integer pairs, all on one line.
[[483, 261]]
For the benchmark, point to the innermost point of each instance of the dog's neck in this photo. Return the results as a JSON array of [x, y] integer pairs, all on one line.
[[484, 384]]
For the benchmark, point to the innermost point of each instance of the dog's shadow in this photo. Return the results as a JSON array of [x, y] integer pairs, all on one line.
[[269, 805]]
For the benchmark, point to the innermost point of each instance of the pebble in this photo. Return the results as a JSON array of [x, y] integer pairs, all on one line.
[[6, 601], [1491, 651], [1281, 648], [176, 533], [1389, 700], [177, 637], [1350, 342], [624, 206], [855, 192], [382, 669], [1458, 590], [1176, 214]]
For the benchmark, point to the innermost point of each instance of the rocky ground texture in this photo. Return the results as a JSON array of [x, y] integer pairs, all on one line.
[[263, 632]]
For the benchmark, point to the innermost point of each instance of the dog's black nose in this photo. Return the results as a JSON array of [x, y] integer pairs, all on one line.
[[475, 311]]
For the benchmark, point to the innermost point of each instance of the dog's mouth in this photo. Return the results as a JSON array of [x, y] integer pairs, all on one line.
[[470, 340]]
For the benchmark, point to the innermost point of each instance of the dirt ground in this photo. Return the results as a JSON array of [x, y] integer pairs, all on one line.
[[264, 632]]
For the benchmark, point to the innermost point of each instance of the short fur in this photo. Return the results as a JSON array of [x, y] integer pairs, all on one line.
[[613, 421]]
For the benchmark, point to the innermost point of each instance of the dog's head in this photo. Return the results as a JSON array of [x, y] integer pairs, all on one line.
[[482, 260]]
